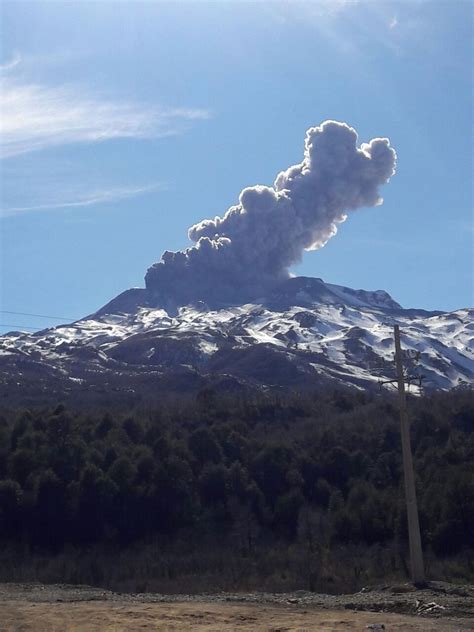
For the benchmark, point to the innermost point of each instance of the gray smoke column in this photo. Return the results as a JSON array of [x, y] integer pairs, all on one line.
[[240, 256]]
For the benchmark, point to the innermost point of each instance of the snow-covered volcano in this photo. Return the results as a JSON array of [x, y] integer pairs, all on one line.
[[306, 333]]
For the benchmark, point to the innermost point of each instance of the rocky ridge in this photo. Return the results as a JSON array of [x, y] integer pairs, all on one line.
[[304, 334]]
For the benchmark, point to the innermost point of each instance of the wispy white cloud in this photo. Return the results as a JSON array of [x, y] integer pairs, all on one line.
[[322, 7], [332, 7], [354, 27], [11, 63], [292, 10], [35, 116], [90, 199]]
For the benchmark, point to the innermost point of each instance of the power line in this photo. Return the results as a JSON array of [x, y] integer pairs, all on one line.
[[21, 326], [4, 311]]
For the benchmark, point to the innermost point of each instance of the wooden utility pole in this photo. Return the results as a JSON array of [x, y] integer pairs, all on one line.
[[416, 553]]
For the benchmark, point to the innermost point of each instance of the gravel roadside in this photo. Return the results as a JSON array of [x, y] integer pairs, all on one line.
[[438, 600]]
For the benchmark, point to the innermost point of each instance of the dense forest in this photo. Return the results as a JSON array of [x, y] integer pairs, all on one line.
[[264, 491]]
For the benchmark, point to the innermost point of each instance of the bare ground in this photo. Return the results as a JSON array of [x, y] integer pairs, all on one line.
[[51, 608]]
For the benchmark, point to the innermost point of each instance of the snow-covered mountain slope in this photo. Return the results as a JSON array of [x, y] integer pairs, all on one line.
[[306, 333]]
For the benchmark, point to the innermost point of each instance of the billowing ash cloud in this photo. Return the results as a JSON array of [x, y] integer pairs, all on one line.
[[240, 256]]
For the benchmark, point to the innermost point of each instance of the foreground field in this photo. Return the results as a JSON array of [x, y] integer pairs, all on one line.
[[204, 617], [43, 608]]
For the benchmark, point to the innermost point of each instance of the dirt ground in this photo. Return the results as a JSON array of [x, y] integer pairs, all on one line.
[[38, 608]]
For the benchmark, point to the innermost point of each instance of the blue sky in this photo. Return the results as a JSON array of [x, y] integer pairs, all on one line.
[[125, 123]]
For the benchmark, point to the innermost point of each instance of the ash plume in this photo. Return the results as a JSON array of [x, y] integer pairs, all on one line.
[[240, 256]]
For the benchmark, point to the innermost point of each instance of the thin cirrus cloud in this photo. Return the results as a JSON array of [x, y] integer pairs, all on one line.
[[35, 116], [91, 199], [12, 63]]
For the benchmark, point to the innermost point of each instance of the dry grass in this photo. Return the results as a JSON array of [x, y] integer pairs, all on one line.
[[92, 616]]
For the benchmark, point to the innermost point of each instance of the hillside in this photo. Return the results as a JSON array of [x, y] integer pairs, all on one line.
[[304, 334]]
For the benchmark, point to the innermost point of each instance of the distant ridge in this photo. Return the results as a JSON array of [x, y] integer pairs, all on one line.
[[305, 334]]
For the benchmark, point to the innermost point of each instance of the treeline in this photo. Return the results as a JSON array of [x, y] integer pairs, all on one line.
[[295, 491]]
